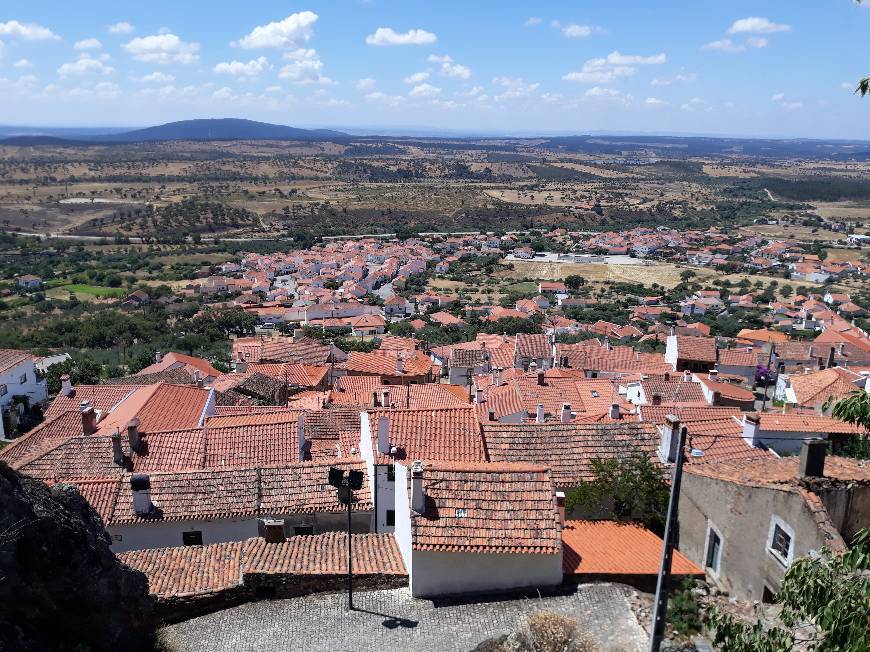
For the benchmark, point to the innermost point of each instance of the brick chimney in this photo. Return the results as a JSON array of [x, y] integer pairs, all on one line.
[[140, 487], [566, 413], [541, 378], [89, 418], [133, 435], [66, 387], [752, 429], [560, 507], [300, 436], [539, 413], [812, 462], [400, 366], [656, 399]]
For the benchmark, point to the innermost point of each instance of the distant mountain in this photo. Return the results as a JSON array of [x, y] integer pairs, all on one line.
[[222, 129], [207, 129]]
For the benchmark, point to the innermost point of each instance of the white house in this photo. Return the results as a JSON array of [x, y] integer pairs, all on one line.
[[18, 378], [456, 536]]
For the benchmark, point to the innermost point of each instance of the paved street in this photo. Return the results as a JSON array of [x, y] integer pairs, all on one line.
[[392, 620]]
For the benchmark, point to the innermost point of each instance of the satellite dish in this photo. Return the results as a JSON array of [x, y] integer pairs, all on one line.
[[697, 452]]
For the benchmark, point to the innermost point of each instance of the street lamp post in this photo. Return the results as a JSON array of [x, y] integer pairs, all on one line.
[[346, 485]]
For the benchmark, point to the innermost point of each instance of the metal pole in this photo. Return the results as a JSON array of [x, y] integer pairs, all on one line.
[[663, 584], [349, 552], [767, 377]]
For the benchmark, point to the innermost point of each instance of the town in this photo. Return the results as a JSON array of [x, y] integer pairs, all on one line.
[[488, 438]]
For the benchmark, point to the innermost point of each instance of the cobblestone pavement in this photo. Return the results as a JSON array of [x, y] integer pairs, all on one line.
[[393, 620]]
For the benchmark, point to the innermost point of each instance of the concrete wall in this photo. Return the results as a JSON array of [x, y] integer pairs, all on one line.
[[447, 573], [742, 516], [402, 531], [849, 508]]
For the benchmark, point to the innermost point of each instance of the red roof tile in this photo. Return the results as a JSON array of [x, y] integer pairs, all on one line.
[[449, 433]]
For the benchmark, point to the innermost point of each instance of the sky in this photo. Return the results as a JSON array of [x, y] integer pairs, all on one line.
[[768, 68]]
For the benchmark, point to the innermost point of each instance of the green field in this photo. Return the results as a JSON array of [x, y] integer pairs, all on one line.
[[522, 287], [95, 290]]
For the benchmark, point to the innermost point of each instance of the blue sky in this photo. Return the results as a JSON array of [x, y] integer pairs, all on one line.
[[761, 68]]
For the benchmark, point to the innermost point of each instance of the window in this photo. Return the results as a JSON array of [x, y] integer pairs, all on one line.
[[304, 530], [193, 538], [391, 473], [391, 518], [780, 541], [461, 512], [714, 550]]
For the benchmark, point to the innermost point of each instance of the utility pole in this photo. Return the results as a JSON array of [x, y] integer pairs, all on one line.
[[663, 585]]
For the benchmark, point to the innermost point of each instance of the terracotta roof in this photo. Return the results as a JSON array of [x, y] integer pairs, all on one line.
[[10, 358], [169, 407], [657, 413], [673, 391], [592, 355], [324, 554], [101, 493], [179, 376], [720, 440], [303, 488], [302, 375], [102, 397], [809, 423], [385, 363], [447, 433], [702, 349], [784, 471], [534, 345], [202, 570], [189, 362], [613, 548], [188, 570], [726, 390], [487, 508], [263, 443], [741, 358], [282, 349], [568, 449], [817, 387], [396, 343], [42, 438], [413, 396]]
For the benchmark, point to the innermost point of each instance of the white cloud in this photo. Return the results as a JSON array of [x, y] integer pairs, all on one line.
[[788, 105], [449, 68], [416, 78], [849, 86], [654, 101], [292, 32], [667, 81], [88, 44], [724, 45], [22, 63], [612, 68], [756, 42], [388, 36], [27, 31], [162, 49], [224, 93], [158, 77], [598, 91], [576, 31], [85, 64], [425, 90], [253, 68], [756, 25], [694, 103], [514, 87], [365, 84], [778, 97], [382, 98], [534, 20], [121, 28], [304, 67], [449, 105]]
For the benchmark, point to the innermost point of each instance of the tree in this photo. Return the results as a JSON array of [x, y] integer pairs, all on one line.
[[82, 371], [575, 281], [633, 487], [685, 275], [854, 409], [825, 607]]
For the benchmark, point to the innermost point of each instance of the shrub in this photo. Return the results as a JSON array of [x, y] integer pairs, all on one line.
[[546, 631]]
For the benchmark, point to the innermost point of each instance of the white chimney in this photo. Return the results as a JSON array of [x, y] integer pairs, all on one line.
[[197, 378], [566, 413], [384, 435], [539, 415], [385, 398], [614, 411], [140, 487], [498, 376], [752, 429], [300, 435], [66, 385], [89, 418], [418, 495], [400, 366], [714, 374], [133, 434], [158, 357], [670, 432], [478, 396], [687, 376]]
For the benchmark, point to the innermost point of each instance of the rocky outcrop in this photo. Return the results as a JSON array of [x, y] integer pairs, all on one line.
[[61, 587]]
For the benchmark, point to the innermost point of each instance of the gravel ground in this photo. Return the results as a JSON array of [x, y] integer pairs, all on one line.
[[393, 620]]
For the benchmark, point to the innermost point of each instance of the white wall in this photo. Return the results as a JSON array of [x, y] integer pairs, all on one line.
[[671, 351], [140, 536], [402, 531], [446, 573], [32, 387]]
